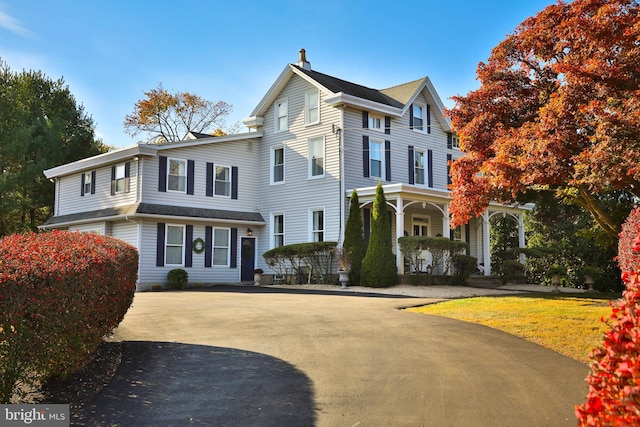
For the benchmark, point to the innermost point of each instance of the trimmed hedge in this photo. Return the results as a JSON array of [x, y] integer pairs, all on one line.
[[614, 381], [60, 294], [299, 257]]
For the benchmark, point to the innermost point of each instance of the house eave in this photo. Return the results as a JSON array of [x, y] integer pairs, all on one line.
[[346, 99]]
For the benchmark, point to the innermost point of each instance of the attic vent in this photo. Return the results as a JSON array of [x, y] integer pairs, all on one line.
[[302, 62]]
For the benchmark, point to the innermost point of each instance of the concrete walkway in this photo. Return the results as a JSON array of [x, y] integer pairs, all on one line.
[[245, 356]]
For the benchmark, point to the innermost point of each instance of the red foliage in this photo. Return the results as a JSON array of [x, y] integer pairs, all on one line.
[[60, 294], [614, 382]]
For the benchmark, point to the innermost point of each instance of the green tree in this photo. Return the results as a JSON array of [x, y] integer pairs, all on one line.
[[379, 264], [354, 244], [41, 126]]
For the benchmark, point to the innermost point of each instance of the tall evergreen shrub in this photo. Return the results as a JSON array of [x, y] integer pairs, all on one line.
[[379, 264], [354, 243]]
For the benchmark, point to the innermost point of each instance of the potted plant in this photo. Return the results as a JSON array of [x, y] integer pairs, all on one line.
[[556, 272], [344, 266], [590, 274], [257, 276]]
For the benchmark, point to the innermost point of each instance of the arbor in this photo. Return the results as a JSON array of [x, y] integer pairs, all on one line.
[[41, 126], [558, 109], [168, 117], [354, 244], [379, 264]]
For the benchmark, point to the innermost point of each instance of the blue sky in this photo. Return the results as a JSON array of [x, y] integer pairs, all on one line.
[[110, 51]]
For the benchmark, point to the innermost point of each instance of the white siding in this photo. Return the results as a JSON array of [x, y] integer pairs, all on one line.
[[127, 231]]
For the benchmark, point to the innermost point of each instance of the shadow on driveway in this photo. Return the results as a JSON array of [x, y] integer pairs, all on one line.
[[173, 384]]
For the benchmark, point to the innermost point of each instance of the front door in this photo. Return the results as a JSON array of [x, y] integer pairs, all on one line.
[[247, 258]]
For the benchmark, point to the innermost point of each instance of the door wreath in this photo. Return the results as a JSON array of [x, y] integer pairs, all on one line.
[[198, 245]]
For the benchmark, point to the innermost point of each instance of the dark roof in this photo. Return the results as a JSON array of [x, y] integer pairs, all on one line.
[[200, 135], [153, 209], [336, 85]]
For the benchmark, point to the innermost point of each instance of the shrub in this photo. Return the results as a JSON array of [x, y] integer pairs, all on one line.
[[614, 381], [379, 264], [511, 271], [178, 278], [301, 259], [464, 266], [354, 243], [60, 294]]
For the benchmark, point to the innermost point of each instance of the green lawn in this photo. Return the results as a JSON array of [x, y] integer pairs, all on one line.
[[568, 324]]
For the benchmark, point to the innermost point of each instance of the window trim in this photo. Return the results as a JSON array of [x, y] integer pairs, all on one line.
[[425, 167], [373, 118], [213, 247], [272, 230], [455, 142], [414, 222], [272, 161], [382, 158], [167, 244], [423, 126], [308, 107], [88, 180], [230, 182], [122, 178], [175, 159], [323, 230], [310, 142], [277, 117]]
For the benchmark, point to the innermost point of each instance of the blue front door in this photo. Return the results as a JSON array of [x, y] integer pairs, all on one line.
[[247, 258]]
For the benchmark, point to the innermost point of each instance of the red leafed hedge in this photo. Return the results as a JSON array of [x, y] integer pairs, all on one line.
[[614, 382], [60, 294]]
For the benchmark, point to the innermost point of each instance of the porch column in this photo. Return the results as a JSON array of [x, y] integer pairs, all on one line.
[[399, 233], [486, 248], [521, 241], [446, 228]]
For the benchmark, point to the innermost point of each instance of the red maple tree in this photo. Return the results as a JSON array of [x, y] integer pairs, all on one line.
[[558, 110]]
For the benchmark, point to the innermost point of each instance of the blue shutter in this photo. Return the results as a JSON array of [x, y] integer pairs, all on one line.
[[449, 159], [191, 166], [160, 245], [234, 182], [428, 118], [234, 248], [93, 182], [467, 232], [365, 156], [365, 119], [411, 116], [208, 249], [113, 180], [430, 165], [162, 174], [188, 247], [387, 125], [412, 176], [449, 140], [127, 177], [387, 160], [209, 177], [82, 185]]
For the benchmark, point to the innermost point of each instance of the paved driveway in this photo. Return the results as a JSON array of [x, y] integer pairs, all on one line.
[[266, 357]]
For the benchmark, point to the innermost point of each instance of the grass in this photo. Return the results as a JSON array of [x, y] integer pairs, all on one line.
[[568, 324]]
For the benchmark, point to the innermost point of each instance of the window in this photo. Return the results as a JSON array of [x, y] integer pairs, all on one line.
[[120, 179], [177, 175], [281, 111], [420, 225], [376, 158], [278, 230], [418, 117], [222, 185], [457, 234], [174, 245], [316, 157], [312, 107], [221, 246], [455, 142], [317, 225], [277, 165], [418, 167], [375, 122]]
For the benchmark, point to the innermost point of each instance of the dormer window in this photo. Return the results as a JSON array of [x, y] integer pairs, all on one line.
[[281, 113], [418, 116]]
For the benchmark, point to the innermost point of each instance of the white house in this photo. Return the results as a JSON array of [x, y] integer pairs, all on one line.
[[214, 205]]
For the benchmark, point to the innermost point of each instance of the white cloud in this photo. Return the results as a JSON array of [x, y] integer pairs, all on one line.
[[13, 25]]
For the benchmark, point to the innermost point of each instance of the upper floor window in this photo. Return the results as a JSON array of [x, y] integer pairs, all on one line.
[[316, 157], [277, 224], [277, 164], [222, 185], [317, 225], [418, 167], [281, 112], [418, 116], [221, 244], [455, 142], [177, 175], [174, 245], [88, 183], [376, 122], [312, 107], [120, 178], [376, 158]]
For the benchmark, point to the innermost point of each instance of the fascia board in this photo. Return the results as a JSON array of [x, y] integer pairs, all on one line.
[[273, 92], [212, 140], [343, 98], [444, 121]]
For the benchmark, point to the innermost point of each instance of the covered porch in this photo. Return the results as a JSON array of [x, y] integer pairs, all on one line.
[[417, 211]]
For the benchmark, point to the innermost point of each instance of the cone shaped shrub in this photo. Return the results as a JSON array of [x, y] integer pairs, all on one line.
[[354, 244], [60, 294], [614, 381], [379, 264]]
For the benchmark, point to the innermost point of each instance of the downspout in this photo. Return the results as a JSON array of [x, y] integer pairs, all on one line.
[[342, 205]]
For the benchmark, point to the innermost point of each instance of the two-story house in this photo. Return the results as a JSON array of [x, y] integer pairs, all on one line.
[[214, 205]]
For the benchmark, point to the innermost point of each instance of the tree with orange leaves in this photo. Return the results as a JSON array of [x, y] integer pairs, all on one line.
[[558, 110], [168, 117]]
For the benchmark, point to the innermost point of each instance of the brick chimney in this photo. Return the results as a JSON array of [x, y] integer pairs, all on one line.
[[302, 62]]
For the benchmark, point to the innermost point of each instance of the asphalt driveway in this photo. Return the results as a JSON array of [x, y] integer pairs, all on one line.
[[237, 356]]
